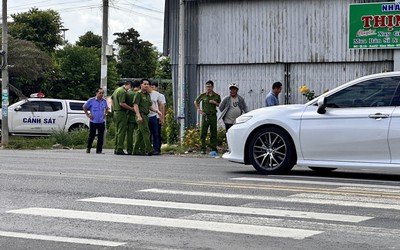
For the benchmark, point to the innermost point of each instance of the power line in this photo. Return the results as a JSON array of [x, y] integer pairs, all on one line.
[[70, 9], [49, 5], [135, 12], [142, 7], [131, 7], [25, 5]]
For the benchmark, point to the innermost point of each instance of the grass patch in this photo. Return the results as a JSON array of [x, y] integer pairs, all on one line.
[[30, 142], [74, 139], [172, 149]]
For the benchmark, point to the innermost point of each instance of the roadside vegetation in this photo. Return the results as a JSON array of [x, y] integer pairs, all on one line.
[[77, 139]]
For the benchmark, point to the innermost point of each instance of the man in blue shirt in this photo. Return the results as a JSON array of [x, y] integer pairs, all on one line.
[[272, 97], [98, 108]]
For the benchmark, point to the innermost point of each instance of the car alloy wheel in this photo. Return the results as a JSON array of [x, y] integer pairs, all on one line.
[[271, 151]]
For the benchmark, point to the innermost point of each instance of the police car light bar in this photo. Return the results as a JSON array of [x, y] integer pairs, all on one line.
[[37, 95]]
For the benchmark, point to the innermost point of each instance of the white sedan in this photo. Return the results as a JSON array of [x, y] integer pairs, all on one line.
[[356, 125]]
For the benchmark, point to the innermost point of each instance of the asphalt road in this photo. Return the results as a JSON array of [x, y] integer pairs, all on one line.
[[67, 199]]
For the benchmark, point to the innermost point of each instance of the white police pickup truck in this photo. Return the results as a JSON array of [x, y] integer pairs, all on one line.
[[42, 116]]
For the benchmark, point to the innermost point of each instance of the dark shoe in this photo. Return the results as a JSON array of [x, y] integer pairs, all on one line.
[[99, 152], [139, 154], [203, 152], [120, 153], [149, 154], [88, 150], [156, 153], [129, 153]]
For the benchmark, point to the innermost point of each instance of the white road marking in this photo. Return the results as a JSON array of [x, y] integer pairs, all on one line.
[[384, 201], [334, 179], [281, 199], [343, 229], [372, 189], [170, 222], [315, 183], [231, 209], [61, 239]]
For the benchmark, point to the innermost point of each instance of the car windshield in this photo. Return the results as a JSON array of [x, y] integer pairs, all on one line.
[[370, 93]]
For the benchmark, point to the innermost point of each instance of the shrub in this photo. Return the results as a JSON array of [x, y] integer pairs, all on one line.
[[76, 138], [192, 140], [170, 130], [110, 127]]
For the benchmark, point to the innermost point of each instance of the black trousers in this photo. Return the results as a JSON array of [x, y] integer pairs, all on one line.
[[159, 134], [100, 128]]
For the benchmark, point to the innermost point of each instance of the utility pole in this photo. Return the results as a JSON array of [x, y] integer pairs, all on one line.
[[181, 70], [104, 60], [4, 76], [104, 41]]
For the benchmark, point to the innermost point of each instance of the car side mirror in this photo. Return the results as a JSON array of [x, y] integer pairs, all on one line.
[[321, 105], [18, 108]]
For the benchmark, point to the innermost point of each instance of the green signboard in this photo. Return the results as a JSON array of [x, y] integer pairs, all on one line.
[[374, 25]]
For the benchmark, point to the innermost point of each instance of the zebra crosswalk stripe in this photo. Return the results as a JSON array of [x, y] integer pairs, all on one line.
[[326, 183], [231, 209], [61, 239], [292, 198], [171, 222]]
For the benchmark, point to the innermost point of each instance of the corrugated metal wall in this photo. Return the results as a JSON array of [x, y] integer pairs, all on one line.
[[254, 80], [325, 76], [233, 32], [171, 46], [253, 42]]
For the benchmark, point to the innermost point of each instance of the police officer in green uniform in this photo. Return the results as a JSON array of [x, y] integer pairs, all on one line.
[[142, 105], [210, 101], [131, 126], [120, 108]]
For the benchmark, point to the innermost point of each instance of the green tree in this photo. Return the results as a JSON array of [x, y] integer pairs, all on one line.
[[164, 68], [78, 71], [30, 68], [27, 60], [137, 58], [112, 76], [89, 39], [40, 27]]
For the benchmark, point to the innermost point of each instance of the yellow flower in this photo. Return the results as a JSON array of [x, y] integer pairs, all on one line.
[[304, 89]]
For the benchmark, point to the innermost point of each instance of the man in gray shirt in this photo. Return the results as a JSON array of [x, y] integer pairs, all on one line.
[[232, 106], [272, 97]]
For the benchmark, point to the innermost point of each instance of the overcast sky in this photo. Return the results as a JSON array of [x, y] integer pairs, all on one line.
[[80, 16]]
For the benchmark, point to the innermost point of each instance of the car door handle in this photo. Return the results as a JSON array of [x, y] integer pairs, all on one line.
[[378, 116]]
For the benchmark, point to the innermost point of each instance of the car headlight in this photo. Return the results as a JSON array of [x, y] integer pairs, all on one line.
[[243, 118]]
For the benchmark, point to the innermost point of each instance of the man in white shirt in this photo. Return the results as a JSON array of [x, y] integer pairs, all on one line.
[[154, 119], [161, 106]]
